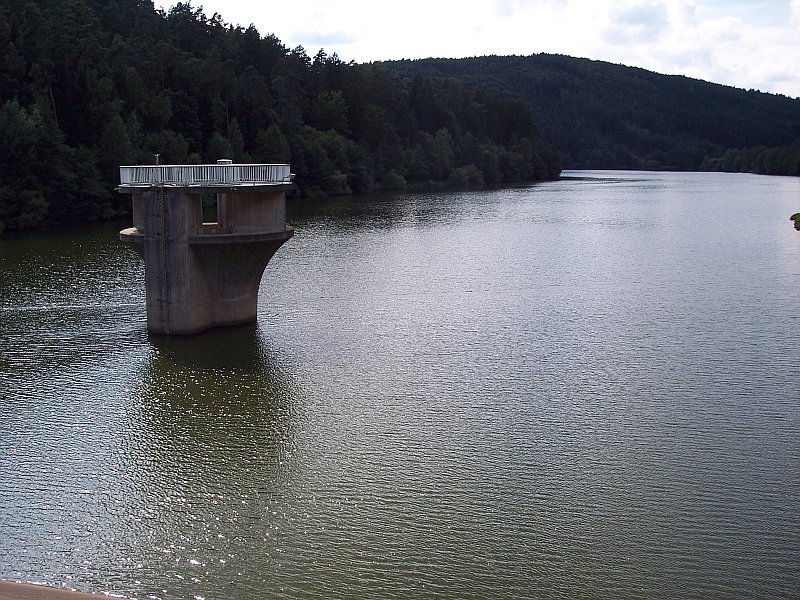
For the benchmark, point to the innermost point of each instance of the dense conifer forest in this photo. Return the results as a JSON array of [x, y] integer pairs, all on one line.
[[88, 85], [602, 115]]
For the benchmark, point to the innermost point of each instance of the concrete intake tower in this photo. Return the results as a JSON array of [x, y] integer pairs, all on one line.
[[205, 274]]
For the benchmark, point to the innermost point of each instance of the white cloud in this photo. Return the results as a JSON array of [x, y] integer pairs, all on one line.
[[326, 37], [794, 7], [633, 22], [510, 8]]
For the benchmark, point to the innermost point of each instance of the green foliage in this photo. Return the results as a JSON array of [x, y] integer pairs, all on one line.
[[329, 111], [41, 175], [392, 180], [783, 160], [238, 154], [601, 115], [86, 86], [468, 176], [271, 146], [170, 146], [218, 147]]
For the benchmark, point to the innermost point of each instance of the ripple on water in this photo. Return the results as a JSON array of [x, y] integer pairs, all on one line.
[[563, 390]]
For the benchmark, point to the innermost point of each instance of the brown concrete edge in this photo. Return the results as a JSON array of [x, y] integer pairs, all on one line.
[[11, 590], [240, 238], [132, 235]]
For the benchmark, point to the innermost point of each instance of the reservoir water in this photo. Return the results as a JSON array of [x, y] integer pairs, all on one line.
[[588, 388]]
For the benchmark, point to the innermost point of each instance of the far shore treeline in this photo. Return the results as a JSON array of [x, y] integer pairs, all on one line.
[[88, 85], [605, 116]]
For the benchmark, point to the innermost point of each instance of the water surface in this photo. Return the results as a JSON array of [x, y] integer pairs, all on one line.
[[584, 388]]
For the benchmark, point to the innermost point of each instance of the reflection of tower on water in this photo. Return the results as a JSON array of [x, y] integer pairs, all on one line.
[[208, 456], [239, 349]]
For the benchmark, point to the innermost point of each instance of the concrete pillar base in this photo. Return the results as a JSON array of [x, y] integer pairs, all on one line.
[[201, 275], [224, 279]]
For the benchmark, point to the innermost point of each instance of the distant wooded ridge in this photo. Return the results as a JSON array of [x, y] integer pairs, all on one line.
[[603, 115], [88, 85]]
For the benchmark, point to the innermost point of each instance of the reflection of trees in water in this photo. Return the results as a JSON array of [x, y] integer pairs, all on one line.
[[207, 457], [70, 301], [383, 211], [76, 267]]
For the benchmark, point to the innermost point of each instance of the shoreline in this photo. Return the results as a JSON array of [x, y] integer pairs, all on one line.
[[13, 590]]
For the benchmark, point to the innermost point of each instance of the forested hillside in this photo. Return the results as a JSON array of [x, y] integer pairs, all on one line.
[[601, 115], [88, 85]]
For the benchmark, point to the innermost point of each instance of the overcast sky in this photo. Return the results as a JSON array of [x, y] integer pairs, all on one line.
[[747, 44]]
